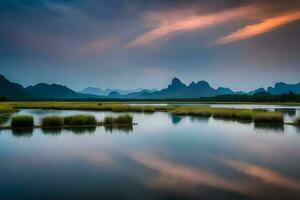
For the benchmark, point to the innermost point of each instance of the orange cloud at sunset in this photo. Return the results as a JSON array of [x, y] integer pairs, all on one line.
[[189, 22], [260, 28]]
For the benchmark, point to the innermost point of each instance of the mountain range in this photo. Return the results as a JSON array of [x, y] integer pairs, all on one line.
[[176, 89], [100, 92]]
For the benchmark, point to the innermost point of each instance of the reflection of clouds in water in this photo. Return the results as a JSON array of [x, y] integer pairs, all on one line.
[[102, 159], [267, 176], [178, 177], [181, 177]]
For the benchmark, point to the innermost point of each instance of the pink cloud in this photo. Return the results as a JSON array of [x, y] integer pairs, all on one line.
[[257, 29], [99, 45], [188, 21]]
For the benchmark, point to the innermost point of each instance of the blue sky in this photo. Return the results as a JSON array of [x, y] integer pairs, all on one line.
[[133, 43]]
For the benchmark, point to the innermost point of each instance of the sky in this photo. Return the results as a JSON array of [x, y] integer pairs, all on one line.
[[127, 44]]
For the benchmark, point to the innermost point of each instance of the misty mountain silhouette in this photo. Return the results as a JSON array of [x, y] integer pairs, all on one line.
[[281, 87], [12, 90], [54, 91], [100, 92], [176, 89]]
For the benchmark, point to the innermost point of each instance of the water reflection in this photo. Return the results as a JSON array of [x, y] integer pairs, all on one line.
[[27, 132], [52, 131], [175, 119], [124, 128], [181, 177], [266, 175], [198, 119], [276, 128], [286, 111], [81, 130], [164, 158]]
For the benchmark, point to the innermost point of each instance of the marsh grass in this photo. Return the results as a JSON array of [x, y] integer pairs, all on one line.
[[22, 121], [6, 109], [52, 121], [4, 118], [124, 119], [297, 121], [232, 114], [109, 120], [121, 119], [245, 115], [80, 120], [268, 117]]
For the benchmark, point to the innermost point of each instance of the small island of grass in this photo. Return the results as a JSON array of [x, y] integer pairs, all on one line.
[[119, 120], [22, 121]]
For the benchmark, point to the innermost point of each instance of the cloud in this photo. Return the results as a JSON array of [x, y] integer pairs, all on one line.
[[99, 45], [188, 21], [257, 29]]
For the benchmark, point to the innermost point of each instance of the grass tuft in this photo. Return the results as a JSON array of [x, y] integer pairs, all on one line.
[[121, 119], [109, 120], [80, 120], [52, 121], [245, 115], [297, 121], [268, 117], [22, 121]]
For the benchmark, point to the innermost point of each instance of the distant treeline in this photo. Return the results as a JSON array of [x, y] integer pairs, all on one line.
[[258, 97]]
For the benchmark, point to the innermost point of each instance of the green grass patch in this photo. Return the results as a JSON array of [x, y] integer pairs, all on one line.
[[121, 119], [124, 119], [268, 117], [297, 121], [109, 120], [246, 115], [22, 121], [52, 121], [80, 120]]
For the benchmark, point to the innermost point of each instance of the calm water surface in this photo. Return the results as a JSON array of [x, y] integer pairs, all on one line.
[[163, 157]]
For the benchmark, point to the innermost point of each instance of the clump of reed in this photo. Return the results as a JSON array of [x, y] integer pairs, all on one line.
[[80, 120], [246, 115], [119, 120], [22, 121], [4, 118], [268, 117], [109, 120], [188, 111], [297, 121], [6, 109], [232, 114], [52, 121]]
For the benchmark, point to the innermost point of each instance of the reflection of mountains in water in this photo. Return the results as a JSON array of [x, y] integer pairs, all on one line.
[[287, 111]]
